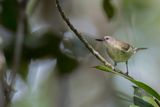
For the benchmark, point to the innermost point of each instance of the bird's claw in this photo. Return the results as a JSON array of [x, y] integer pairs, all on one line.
[[126, 73]]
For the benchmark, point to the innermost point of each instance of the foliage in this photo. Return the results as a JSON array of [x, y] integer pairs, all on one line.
[[137, 101], [47, 45], [108, 8]]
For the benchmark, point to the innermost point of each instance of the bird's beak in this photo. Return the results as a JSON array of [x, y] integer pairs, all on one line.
[[102, 39]]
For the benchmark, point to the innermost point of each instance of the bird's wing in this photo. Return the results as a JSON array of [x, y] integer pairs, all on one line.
[[123, 46]]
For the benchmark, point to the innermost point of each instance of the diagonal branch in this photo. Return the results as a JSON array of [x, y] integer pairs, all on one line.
[[108, 67], [85, 42]]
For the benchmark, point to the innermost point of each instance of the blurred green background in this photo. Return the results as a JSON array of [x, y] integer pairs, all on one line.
[[54, 69]]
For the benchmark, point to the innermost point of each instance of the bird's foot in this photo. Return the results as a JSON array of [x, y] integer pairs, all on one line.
[[126, 73]]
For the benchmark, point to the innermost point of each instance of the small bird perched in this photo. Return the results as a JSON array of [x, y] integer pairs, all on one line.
[[119, 51]]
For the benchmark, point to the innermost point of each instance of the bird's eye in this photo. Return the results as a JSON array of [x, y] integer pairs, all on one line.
[[106, 38]]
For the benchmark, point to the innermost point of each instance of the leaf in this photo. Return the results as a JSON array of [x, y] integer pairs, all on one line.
[[150, 100], [146, 88], [140, 102], [138, 83], [140, 92], [108, 8]]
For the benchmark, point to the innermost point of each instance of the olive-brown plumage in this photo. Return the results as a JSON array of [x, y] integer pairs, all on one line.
[[118, 50]]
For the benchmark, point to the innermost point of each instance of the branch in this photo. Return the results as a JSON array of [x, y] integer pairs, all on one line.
[[17, 50], [86, 43], [82, 39], [108, 67]]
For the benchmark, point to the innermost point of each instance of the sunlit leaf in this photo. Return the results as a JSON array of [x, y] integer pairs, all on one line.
[[143, 95], [140, 102], [150, 100], [142, 85]]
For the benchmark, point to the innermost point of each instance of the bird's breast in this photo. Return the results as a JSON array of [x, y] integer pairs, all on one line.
[[118, 55]]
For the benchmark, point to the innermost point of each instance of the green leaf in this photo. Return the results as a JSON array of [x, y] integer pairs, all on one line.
[[140, 92], [140, 102], [108, 8], [138, 83], [146, 88], [150, 100]]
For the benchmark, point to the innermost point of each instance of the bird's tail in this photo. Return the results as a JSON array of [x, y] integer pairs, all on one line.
[[139, 49]]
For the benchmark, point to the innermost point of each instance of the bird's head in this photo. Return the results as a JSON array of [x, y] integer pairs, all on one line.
[[106, 39]]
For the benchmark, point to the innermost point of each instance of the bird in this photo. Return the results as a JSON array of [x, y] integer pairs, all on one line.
[[119, 51]]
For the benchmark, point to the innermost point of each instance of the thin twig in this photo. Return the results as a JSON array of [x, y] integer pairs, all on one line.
[[18, 50], [85, 42]]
